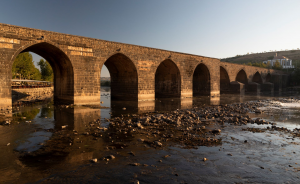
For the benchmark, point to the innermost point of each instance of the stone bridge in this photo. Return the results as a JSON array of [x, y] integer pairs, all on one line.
[[137, 72]]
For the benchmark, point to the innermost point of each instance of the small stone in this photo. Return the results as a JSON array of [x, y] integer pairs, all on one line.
[[64, 126], [111, 157], [204, 159], [94, 160], [7, 144], [135, 164], [124, 108], [229, 154], [258, 111], [158, 143], [245, 141], [141, 140], [131, 153], [216, 131], [136, 182]]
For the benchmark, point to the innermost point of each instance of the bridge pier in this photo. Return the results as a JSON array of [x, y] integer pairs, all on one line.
[[253, 87], [267, 87], [277, 81], [237, 87]]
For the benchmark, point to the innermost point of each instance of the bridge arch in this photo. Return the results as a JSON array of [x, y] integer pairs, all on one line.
[[224, 80], [123, 76], [268, 77], [201, 80], [61, 65], [257, 78], [242, 77], [167, 80]]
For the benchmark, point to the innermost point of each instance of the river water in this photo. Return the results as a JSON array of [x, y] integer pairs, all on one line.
[[268, 157]]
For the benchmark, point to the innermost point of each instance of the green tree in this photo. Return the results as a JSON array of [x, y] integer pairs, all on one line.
[[23, 67], [269, 65], [277, 65], [46, 70]]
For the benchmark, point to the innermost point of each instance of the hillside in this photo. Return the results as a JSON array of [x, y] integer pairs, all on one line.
[[259, 57]]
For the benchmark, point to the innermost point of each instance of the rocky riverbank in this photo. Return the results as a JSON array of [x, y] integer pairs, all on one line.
[[151, 142]]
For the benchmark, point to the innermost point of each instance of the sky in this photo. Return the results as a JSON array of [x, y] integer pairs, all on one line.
[[213, 28]]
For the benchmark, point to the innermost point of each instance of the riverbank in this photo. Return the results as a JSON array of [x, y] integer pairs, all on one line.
[[241, 142]]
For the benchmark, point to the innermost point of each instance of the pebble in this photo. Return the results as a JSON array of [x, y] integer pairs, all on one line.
[[158, 143], [111, 157], [135, 164], [94, 160], [64, 126]]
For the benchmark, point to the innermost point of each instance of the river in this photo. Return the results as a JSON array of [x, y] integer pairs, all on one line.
[[48, 144]]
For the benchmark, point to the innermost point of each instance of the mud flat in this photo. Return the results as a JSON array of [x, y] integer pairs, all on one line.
[[251, 142]]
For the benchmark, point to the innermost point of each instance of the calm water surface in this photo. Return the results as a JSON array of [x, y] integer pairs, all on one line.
[[32, 126]]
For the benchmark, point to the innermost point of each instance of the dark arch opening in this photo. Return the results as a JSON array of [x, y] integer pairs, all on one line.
[[268, 77], [257, 78], [242, 77], [201, 80], [224, 80], [123, 76], [167, 80], [62, 70]]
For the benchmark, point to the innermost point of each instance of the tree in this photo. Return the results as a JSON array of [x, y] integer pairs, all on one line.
[[46, 70], [277, 65], [269, 65], [23, 67]]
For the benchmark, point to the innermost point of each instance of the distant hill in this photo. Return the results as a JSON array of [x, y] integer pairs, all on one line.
[[259, 57], [105, 78]]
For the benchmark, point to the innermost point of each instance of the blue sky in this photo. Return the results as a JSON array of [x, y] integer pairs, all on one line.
[[214, 28]]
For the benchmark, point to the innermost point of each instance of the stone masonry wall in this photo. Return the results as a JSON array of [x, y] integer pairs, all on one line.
[[77, 62], [32, 94]]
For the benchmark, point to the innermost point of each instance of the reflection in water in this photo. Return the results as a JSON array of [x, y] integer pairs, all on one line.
[[46, 119]]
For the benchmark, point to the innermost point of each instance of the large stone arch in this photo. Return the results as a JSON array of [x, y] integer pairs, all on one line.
[[224, 80], [257, 78], [167, 80], [61, 65], [241, 77], [268, 77], [201, 80], [124, 77]]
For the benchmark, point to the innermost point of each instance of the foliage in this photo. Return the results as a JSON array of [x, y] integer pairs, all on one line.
[[270, 57], [105, 83], [46, 70], [277, 65], [28, 114], [23, 67], [46, 112]]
